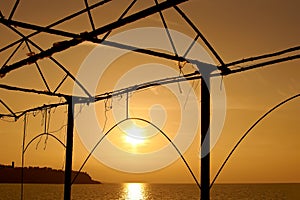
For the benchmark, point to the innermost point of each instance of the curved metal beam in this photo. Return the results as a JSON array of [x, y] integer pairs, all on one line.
[[247, 132], [157, 128], [40, 135]]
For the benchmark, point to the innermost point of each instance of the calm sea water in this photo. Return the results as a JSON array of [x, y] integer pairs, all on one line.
[[137, 191]]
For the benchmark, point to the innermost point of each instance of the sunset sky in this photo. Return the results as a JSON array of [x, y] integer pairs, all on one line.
[[236, 29]]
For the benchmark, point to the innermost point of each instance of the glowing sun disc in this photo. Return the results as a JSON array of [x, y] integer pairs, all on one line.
[[134, 136]]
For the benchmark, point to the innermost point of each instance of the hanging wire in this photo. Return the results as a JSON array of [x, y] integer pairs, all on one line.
[[46, 123], [146, 121], [180, 66], [51, 134], [23, 144], [80, 110], [64, 158], [106, 109], [248, 131], [194, 87], [48, 117], [60, 100], [143, 86], [43, 123], [35, 113]]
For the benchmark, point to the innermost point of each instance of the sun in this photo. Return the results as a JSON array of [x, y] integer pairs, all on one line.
[[134, 135]]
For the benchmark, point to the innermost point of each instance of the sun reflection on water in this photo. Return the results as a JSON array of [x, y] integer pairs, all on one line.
[[134, 191]]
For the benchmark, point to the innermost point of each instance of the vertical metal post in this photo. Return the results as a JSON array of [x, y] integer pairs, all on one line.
[[205, 140], [69, 151], [23, 145]]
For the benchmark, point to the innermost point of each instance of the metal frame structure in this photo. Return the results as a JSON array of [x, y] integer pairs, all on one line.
[[92, 36]]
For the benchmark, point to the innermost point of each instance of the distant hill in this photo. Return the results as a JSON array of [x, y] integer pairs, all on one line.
[[11, 174]]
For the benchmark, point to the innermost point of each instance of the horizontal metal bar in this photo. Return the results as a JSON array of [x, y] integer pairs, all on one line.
[[13, 88], [264, 56], [82, 100], [107, 95], [263, 64]]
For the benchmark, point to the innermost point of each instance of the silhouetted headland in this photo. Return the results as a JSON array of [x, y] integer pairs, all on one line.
[[12, 174]]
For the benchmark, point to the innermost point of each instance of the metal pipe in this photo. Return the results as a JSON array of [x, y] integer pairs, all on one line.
[[69, 151], [205, 140]]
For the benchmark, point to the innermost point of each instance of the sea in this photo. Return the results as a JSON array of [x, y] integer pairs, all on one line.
[[140, 191]]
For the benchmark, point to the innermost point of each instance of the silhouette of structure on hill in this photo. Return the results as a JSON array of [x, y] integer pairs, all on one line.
[[46, 175]]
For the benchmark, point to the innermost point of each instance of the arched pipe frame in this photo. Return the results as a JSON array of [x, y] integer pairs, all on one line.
[[148, 122], [40, 135], [259, 120], [103, 137], [162, 132]]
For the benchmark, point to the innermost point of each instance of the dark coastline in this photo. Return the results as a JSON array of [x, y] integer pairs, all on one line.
[[45, 175]]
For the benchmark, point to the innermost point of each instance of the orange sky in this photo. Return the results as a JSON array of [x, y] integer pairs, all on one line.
[[271, 153]]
